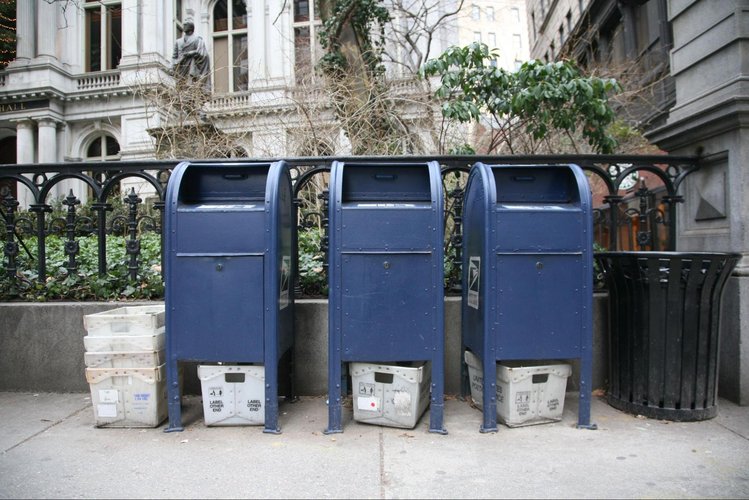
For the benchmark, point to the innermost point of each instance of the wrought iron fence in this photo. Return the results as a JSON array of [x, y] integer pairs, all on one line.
[[635, 199]]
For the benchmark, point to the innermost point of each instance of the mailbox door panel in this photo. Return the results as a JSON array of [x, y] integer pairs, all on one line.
[[219, 316], [539, 302], [387, 306], [216, 231], [389, 229], [540, 230]]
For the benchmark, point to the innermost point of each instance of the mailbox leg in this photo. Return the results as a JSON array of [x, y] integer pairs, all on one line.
[[437, 404], [583, 410], [334, 396], [174, 395], [291, 393], [490, 396], [271, 360], [271, 396], [465, 383]]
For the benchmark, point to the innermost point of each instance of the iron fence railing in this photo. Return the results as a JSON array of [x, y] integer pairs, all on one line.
[[635, 200]]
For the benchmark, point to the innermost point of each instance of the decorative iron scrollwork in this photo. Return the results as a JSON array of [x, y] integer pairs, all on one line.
[[623, 219]]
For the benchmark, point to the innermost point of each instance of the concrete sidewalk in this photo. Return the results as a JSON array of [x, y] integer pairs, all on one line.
[[50, 449]]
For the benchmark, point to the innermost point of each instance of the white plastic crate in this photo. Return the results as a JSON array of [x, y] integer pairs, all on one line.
[[527, 394], [128, 397], [233, 394], [134, 320], [122, 343], [394, 396], [127, 359]]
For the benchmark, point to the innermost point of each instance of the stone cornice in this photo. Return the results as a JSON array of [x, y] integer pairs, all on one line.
[[31, 94], [729, 115], [55, 95]]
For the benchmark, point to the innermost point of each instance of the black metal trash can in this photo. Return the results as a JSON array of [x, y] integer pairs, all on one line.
[[664, 311]]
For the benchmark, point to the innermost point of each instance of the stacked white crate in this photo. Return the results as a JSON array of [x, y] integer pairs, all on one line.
[[233, 394], [125, 366], [390, 395], [528, 393]]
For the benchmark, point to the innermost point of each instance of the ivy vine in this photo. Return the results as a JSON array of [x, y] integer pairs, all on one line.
[[367, 19]]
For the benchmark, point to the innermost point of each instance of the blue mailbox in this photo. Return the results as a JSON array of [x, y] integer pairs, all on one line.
[[385, 273], [527, 271], [229, 232]]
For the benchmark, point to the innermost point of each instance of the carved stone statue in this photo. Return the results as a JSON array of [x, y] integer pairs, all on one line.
[[190, 59]]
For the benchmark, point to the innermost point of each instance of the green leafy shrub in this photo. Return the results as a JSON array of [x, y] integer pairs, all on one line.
[[312, 279], [86, 283], [526, 108]]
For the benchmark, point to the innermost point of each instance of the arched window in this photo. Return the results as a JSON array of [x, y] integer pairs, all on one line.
[[103, 148], [230, 46]]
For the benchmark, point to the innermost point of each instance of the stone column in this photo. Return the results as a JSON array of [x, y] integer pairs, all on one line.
[[664, 28], [47, 140], [26, 30], [711, 118], [131, 27], [630, 34], [25, 154], [45, 38], [48, 152], [277, 41], [258, 60], [25, 142]]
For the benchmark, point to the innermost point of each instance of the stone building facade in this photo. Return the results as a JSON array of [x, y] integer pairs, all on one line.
[[70, 93], [628, 39], [695, 53], [500, 24], [710, 117]]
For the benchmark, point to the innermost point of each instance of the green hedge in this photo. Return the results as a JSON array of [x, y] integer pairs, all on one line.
[[86, 283], [312, 280]]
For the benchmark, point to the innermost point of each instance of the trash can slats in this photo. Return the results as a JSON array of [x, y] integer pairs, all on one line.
[[664, 327]]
